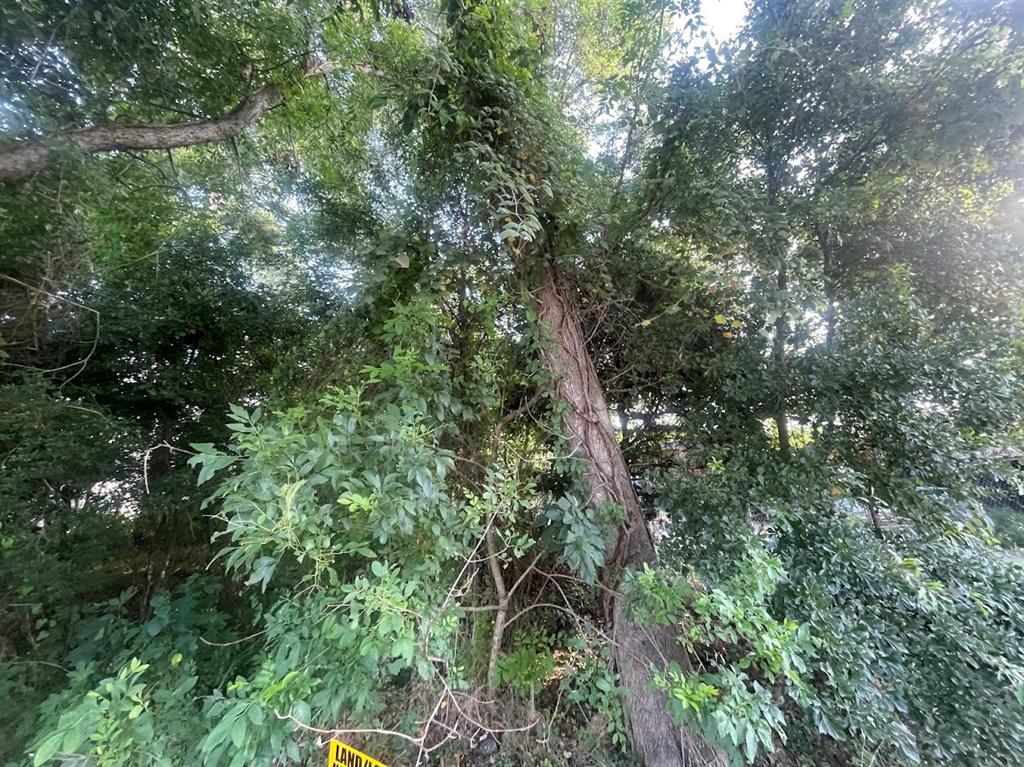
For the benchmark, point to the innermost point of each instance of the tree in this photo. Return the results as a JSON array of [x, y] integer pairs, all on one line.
[[673, 448]]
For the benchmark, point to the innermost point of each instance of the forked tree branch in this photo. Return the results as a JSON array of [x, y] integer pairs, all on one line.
[[29, 157]]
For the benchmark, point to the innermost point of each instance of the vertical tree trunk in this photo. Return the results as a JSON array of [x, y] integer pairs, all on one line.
[[828, 276], [773, 165], [501, 616], [779, 353], [653, 734]]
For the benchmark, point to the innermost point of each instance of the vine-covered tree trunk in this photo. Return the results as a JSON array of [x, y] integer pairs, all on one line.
[[653, 734]]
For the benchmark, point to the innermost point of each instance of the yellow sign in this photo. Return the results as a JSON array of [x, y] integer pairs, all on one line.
[[343, 755]]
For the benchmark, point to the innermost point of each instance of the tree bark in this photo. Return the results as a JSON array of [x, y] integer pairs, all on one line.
[[29, 157], [828, 277], [498, 634], [779, 353], [654, 736], [773, 165]]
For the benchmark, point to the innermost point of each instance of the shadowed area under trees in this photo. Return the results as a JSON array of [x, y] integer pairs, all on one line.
[[511, 382]]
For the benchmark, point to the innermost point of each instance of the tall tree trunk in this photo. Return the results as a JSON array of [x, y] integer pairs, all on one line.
[[773, 165], [779, 353], [653, 734]]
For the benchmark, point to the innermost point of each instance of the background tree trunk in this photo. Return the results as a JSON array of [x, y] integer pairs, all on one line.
[[653, 734], [779, 355], [773, 169]]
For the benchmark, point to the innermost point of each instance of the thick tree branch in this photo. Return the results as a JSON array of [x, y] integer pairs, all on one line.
[[30, 157]]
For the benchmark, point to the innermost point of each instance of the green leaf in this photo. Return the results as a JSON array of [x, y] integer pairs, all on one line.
[[256, 714], [238, 730], [750, 743], [47, 749], [302, 712]]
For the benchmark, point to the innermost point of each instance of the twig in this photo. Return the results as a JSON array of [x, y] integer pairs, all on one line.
[[354, 731], [95, 341], [237, 641], [145, 459]]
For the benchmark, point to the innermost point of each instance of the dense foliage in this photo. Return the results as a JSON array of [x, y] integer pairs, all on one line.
[[290, 449]]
